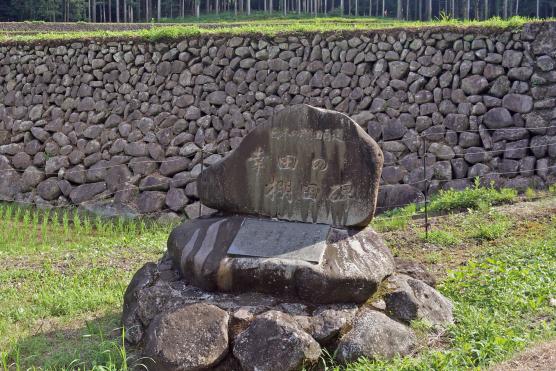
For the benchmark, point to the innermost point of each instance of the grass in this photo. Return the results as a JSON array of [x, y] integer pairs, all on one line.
[[396, 219], [62, 282], [266, 28], [475, 197], [63, 277], [486, 225], [440, 237], [501, 293]]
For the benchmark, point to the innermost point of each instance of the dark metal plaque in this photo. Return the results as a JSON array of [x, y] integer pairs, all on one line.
[[277, 239]]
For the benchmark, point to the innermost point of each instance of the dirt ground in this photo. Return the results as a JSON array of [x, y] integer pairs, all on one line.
[[541, 357]]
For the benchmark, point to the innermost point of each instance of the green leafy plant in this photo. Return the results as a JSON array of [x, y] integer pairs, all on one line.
[[471, 198], [397, 219], [440, 237], [486, 226], [530, 193]]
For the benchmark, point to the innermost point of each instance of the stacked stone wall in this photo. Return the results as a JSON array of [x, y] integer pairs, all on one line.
[[131, 121]]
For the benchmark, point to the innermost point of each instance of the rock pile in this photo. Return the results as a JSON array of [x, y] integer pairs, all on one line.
[[289, 267]]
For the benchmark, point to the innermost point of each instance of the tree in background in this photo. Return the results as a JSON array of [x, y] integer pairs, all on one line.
[[146, 10]]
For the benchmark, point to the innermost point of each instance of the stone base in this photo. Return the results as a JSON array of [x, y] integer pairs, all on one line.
[[176, 326], [346, 265]]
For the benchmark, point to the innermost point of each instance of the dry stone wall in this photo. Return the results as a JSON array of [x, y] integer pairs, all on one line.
[[130, 122]]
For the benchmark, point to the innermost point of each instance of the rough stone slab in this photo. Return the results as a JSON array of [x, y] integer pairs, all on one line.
[[256, 320], [353, 264], [193, 337], [375, 336], [283, 240], [409, 299], [274, 341], [306, 164]]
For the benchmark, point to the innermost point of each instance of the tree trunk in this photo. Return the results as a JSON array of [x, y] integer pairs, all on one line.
[[538, 8], [399, 10], [342, 7], [94, 10], [467, 9], [505, 9], [158, 13], [248, 7]]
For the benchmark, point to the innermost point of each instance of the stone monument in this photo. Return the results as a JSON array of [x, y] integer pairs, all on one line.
[[287, 266]]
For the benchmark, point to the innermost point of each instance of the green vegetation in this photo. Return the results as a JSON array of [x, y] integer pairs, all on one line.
[[395, 219], [270, 28], [501, 294], [501, 305], [63, 278], [475, 197], [486, 225], [440, 237], [62, 282]]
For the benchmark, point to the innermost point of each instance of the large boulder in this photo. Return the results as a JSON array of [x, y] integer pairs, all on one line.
[[373, 335], [416, 270], [49, 189], [274, 341], [314, 262], [409, 299], [86, 192], [498, 118], [143, 278], [193, 337], [518, 103], [306, 164], [474, 85]]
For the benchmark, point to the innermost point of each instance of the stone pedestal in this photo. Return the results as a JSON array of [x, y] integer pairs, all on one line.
[[178, 326], [309, 262], [244, 291]]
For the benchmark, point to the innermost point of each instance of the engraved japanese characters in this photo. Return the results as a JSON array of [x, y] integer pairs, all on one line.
[[306, 164]]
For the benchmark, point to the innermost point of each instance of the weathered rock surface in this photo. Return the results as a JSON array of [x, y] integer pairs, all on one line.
[[409, 299], [192, 337], [415, 270], [274, 341], [352, 266], [307, 164], [393, 196], [374, 335], [264, 331]]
